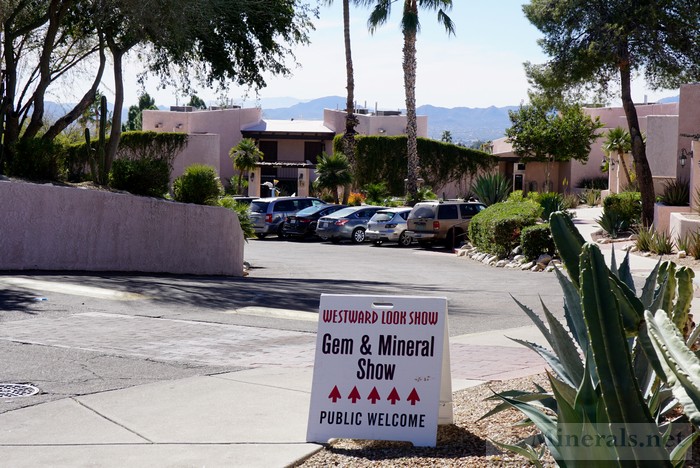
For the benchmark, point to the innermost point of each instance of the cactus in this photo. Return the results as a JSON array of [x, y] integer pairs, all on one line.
[[633, 356], [96, 158]]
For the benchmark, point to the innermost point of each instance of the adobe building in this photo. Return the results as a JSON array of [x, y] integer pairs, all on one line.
[[291, 147]]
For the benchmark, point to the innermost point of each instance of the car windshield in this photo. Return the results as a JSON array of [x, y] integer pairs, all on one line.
[[422, 212], [382, 216], [259, 207]]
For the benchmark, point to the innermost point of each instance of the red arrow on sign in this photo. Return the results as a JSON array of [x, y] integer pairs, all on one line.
[[335, 394], [374, 396], [413, 397], [393, 396], [354, 395]]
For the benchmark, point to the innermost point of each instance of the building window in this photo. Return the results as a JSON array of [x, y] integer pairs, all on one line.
[[312, 150]]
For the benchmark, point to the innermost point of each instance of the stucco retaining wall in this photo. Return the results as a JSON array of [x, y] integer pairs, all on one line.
[[662, 217], [47, 227], [683, 224]]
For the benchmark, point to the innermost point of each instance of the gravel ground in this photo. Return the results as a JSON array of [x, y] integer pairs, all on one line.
[[466, 443]]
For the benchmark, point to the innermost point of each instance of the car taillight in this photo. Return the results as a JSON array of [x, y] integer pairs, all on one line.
[[342, 222], [436, 225], [303, 220], [268, 218]]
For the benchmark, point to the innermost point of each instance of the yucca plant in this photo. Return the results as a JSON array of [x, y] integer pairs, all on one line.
[[617, 369], [694, 245], [550, 202], [491, 188], [241, 210], [683, 243], [676, 193]]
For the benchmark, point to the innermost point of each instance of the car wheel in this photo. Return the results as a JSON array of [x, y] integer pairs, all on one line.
[[358, 236], [405, 240], [280, 231], [450, 239]]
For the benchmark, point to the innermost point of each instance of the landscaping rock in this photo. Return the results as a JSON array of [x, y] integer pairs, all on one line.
[[682, 254], [646, 254], [537, 268], [501, 263], [544, 260], [520, 259], [517, 250], [527, 266]]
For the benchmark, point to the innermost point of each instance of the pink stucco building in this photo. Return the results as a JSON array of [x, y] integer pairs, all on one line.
[[291, 147]]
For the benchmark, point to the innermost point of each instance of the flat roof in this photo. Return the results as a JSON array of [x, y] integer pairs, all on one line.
[[288, 129]]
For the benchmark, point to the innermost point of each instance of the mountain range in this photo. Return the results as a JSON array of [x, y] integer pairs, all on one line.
[[465, 124]]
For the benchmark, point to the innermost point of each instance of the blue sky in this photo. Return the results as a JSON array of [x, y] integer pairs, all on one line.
[[478, 67]]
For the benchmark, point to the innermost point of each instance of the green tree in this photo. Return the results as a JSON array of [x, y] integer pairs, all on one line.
[[618, 141], [245, 155], [539, 132], [592, 44], [134, 118], [333, 171], [197, 102], [410, 27], [446, 136]]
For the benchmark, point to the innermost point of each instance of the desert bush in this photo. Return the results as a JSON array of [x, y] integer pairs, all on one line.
[[148, 177], [536, 240], [597, 183], [612, 223], [199, 184], [376, 193], [497, 229], [661, 243], [627, 206], [676, 193], [644, 238], [550, 202], [590, 197], [570, 201], [516, 196]]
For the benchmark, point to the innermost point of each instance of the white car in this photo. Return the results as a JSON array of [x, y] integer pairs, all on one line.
[[389, 225]]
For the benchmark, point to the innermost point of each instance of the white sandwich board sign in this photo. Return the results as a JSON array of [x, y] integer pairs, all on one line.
[[381, 369]]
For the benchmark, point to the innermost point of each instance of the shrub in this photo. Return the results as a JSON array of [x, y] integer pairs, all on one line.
[[694, 245], [148, 177], [591, 197], [536, 240], [644, 238], [661, 243], [570, 201], [516, 196], [676, 193], [243, 213], [199, 184], [497, 228], [355, 199], [376, 193], [37, 159], [491, 188], [627, 206]]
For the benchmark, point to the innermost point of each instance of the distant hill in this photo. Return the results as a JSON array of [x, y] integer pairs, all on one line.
[[464, 123]]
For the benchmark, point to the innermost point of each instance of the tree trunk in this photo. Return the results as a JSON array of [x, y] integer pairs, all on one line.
[[115, 131], [644, 178], [79, 108], [348, 139], [409, 72]]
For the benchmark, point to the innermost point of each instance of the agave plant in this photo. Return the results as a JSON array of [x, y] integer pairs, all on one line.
[[622, 365], [612, 223], [491, 188], [676, 193]]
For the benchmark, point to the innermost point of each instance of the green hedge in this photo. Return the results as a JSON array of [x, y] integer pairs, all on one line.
[[537, 240], [147, 177], [198, 184], [383, 159], [497, 229], [37, 159], [626, 205]]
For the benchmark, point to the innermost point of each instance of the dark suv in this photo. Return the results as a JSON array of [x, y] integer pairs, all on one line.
[[433, 222], [268, 214]]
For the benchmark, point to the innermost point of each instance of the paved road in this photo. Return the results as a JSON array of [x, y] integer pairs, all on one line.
[[76, 334]]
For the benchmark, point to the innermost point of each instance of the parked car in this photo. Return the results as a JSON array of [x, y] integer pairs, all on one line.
[[303, 223], [268, 214], [389, 225], [433, 222], [348, 223]]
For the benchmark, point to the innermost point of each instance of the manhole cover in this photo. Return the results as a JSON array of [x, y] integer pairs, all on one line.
[[17, 390]]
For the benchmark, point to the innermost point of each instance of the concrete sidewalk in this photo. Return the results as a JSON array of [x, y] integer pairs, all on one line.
[[252, 418]]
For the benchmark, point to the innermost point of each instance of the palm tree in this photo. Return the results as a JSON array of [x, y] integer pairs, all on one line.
[[245, 155], [351, 121], [618, 141], [410, 27], [333, 171]]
